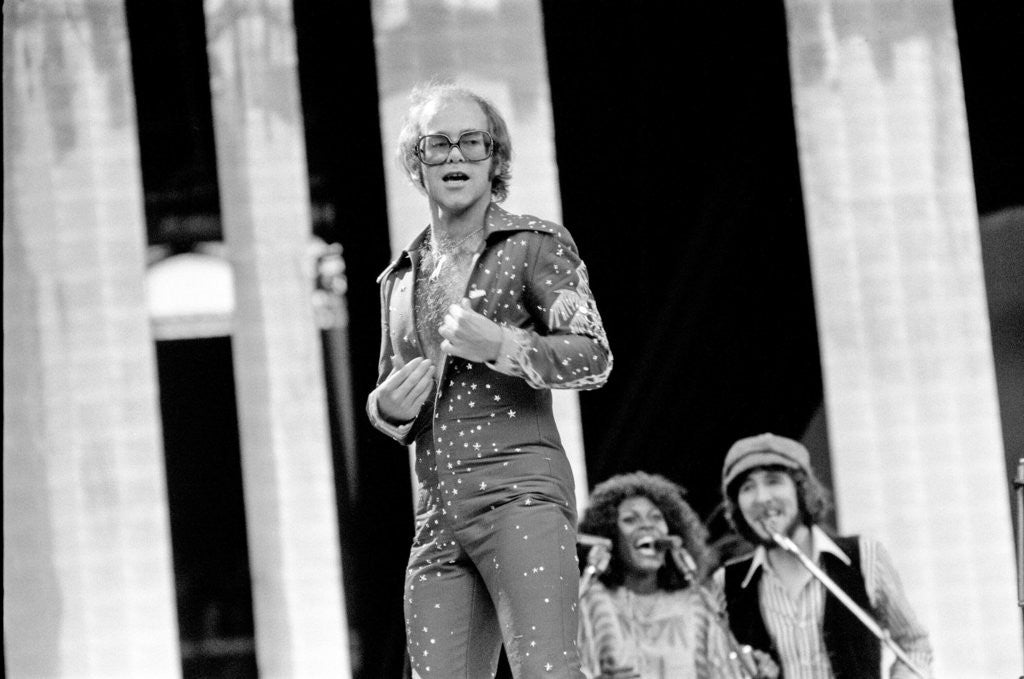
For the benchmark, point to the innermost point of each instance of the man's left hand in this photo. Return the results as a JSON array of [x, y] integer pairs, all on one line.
[[470, 335]]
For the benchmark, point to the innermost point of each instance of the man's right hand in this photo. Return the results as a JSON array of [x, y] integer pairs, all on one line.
[[401, 395]]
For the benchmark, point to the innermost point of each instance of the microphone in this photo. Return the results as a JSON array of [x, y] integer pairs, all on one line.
[[585, 540], [780, 539], [683, 559], [667, 543]]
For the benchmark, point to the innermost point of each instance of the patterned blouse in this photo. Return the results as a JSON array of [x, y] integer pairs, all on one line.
[[663, 635]]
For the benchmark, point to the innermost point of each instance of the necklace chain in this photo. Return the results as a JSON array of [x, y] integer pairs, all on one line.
[[455, 246]]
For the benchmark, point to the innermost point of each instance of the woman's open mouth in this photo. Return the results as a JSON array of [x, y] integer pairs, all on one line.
[[647, 546]]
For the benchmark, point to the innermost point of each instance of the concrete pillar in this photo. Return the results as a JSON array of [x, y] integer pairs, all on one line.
[[910, 388], [287, 475], [88, 585]]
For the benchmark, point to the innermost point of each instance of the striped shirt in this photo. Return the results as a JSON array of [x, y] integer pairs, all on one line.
[[794, 620]]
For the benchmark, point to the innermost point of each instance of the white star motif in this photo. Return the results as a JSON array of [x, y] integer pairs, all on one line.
[[511, 413]]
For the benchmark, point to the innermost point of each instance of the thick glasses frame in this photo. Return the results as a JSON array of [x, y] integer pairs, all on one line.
[[421, 152]]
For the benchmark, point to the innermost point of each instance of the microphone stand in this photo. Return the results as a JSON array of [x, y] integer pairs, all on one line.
[[1019, 488], [588, 576], [882, 635], [598, 555]]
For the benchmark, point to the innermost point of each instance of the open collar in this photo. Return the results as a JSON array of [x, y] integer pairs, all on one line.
[[496, 220], [821, 543]]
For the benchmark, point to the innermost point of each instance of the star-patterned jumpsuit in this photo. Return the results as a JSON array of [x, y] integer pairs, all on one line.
[[494, 554]]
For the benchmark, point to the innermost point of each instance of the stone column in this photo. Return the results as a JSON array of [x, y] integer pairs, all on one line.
[[910, 388], [287, 474], [88, 584]]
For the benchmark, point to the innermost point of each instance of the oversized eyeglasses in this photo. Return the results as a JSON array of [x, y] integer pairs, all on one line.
[[474, 145]]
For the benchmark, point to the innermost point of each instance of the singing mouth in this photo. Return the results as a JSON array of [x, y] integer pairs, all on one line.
[[771, 518], [646, 546], [455, 177]]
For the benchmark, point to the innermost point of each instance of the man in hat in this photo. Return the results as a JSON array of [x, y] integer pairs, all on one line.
[[773, 600]]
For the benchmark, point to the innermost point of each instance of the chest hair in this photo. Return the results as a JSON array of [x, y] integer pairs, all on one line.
[[440, 282]]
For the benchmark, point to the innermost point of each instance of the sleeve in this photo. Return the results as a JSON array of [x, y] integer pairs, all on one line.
[[600, 635], [399, 432], [568, 348], [402, 433], [714, 653], [892, 610]]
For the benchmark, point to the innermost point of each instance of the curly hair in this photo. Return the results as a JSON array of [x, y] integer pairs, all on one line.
[[813, 498], [602, 515], [423, 95]]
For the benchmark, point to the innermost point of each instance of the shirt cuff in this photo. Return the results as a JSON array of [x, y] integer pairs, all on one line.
[[514, 343], [398, 432]]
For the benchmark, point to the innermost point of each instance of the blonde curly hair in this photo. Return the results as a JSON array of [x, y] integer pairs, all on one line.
[[408, 138]]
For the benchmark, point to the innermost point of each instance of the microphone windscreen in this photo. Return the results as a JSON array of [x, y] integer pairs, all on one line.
[[593, 541], [670, 542]]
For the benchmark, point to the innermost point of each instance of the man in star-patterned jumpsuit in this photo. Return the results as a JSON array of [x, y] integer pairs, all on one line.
[[494, 554]]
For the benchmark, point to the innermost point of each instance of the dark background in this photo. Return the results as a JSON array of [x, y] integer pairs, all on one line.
[[677, 161]]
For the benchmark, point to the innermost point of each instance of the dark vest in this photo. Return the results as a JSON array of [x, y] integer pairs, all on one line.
[[855, 653]]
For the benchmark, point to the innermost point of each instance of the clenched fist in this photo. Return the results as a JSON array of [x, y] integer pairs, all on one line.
[[470, 335]]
